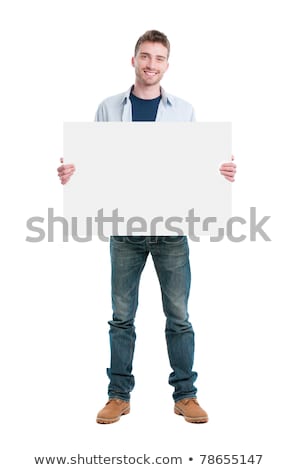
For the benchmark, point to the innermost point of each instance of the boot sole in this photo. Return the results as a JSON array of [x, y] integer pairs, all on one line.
[[112, 420], [203, 419]]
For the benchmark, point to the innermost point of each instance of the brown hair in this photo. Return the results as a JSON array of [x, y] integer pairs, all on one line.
[[153, 36]]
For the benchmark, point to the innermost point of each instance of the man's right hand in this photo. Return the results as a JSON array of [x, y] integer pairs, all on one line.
[[65, 171]]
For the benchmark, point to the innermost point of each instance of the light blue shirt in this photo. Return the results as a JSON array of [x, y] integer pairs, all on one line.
[[119, 108]]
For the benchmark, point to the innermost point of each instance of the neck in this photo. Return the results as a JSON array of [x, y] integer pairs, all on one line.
[[146, 92]]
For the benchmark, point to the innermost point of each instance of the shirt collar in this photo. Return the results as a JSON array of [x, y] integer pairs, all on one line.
[[166, 98]]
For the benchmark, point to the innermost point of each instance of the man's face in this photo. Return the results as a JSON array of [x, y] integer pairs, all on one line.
[[150, 63]]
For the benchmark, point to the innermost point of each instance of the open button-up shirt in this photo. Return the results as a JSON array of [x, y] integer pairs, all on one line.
[[119, 108]]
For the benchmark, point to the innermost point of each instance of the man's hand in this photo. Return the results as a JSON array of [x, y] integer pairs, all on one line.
[[228, 170], [65, 171]]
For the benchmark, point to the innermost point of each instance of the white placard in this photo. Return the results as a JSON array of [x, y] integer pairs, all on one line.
[[147, 178]]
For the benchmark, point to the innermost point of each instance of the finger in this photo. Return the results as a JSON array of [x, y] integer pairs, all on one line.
[[230, 178], [67, 171], [228, 165], [65, 168], [231, 171], [61, 160], [68, 165], [64, 179], [228, 174]]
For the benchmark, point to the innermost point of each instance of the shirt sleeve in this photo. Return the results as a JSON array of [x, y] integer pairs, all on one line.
[[99, 116], [193, 117]]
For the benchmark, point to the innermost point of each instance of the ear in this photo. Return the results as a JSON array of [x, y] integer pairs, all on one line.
[[133, 61]]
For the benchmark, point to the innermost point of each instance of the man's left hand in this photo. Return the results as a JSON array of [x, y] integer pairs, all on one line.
[[228, 170]]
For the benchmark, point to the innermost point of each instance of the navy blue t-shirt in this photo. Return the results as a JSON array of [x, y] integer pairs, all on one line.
[[144, 110]]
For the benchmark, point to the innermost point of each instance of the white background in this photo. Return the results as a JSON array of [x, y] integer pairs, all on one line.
[[235, 61]]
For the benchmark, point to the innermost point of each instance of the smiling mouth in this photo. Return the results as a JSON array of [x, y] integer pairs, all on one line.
[[149, 73]]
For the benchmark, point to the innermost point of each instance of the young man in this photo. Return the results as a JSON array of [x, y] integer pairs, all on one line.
[[147, 101]]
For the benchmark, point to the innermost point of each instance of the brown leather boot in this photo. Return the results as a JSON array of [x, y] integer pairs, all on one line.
[[113, 410], [190, 409]]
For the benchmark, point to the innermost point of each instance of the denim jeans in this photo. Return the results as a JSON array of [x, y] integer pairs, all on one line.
[[171, 260]]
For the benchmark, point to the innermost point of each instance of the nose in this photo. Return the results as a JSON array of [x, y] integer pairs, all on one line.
[[151, 63]]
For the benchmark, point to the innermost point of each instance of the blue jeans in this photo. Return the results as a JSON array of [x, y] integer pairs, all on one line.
[[171, 259]]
